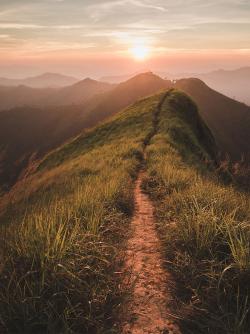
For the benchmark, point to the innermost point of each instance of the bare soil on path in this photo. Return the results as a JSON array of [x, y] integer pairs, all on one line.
[[147, 310]]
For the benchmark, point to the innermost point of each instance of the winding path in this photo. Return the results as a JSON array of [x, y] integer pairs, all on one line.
[[146, 310]]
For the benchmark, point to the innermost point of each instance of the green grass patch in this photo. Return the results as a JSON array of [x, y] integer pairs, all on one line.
[[62, 227], [204, 224]]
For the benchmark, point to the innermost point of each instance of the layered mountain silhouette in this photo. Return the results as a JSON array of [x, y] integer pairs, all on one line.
[[27, 133], [38, 125], [127, 93], [20, 96], [46, 80], [228, 119], [234, 83], [64, 221]]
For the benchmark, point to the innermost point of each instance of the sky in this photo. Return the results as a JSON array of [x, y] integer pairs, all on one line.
[[109, 37]]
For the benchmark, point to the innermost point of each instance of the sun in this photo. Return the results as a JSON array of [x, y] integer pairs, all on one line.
[[140, 52]]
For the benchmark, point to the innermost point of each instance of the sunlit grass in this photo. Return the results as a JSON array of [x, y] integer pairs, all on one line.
[[59, 237], [204, 225], [63, 225]]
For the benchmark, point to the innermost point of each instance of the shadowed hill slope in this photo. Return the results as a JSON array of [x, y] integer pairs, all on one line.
[[11, 97], [128, 92], [84, 204], [187, 130], [27, 132], [234, 83], [228, 119], [80, 92], [41, 81], [63, 229], [203, 224], [62, 226]]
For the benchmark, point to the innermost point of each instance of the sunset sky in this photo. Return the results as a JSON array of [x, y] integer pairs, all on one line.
[[98, 37]]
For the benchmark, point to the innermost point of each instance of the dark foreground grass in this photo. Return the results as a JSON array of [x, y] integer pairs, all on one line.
[[62, 227], [204, 224]]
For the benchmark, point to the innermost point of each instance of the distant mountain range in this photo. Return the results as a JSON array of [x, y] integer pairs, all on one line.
[[234, 83], [43, 119], [21, 96], [28, 132], [46, 80]]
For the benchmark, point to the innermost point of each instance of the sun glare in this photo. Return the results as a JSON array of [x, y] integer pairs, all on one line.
[[140, 52]]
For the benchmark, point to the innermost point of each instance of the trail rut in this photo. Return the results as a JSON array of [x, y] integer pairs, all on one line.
[[146, 310]]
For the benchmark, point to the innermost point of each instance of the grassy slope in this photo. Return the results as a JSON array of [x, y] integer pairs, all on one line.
[[60, 246], [58, 238], [43, 129], [203, 223], [228, 119]]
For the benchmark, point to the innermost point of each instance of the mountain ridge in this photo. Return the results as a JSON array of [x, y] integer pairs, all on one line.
[[64, 225], [77, 93], [69, 120], [44, 80], [232, 83], [218, 109]]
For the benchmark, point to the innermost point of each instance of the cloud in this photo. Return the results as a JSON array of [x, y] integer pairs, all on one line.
[[37, 26], [116, 23], [99, 10], [136, 3], [147, 5], [20, 26]]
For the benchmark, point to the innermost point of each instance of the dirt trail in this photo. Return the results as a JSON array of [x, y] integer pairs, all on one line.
[[146, 311]]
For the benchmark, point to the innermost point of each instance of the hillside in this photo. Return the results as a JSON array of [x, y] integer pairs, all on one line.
[[42, 129], [228, 119], [23, 96], [28, 133], [80, 92], [20, 96], [127, 93], [92, 190], [46, 80], [64, 230], [234, 83], [88, 102], [203, 225], [116, 79]]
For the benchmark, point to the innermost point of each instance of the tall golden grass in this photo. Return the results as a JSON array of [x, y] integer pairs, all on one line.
[[62, 227], [205, 228]]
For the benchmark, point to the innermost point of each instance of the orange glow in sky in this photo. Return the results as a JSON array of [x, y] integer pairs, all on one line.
[[99, 37], [140, 52]]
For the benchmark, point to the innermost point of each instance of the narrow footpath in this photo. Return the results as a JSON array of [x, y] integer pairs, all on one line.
[[147, 310]]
